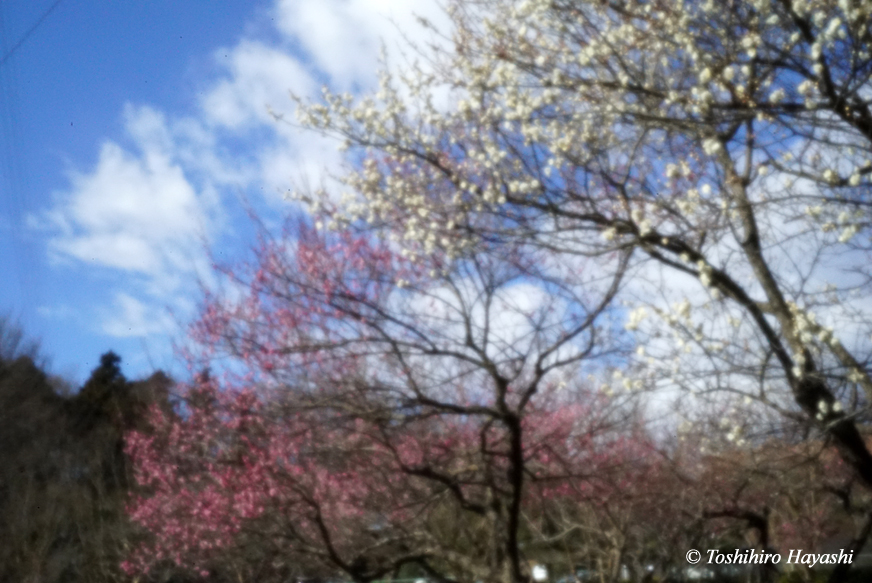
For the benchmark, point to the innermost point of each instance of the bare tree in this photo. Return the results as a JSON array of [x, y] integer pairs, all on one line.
[[14, 343]]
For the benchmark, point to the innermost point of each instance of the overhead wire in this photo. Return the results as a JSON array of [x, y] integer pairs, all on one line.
[[7, 53], [10, 171], [14, 182]]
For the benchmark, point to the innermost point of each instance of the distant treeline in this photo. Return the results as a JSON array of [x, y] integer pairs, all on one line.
[[64, 477]]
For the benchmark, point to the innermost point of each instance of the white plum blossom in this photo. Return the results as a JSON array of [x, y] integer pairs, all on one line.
[[662, 139], [636, 317]]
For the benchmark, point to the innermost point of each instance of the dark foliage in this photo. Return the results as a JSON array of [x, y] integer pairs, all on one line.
[[63, 472]]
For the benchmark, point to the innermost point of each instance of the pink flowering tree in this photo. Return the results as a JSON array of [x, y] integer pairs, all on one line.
[[376, 413], [616, 509]]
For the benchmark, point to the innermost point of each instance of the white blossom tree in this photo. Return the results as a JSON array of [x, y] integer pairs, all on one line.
[[726, 145]]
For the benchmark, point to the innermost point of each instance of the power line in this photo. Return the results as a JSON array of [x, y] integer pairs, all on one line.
[[13, 173], [29, 32]]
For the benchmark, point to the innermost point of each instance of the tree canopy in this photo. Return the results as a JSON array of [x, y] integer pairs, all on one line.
[[565, 221]]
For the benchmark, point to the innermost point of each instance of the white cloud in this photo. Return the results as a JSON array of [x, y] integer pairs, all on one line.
[[303, 162], [135, 211], [148, 205], [130, 317], [259, 78], [344, 37]]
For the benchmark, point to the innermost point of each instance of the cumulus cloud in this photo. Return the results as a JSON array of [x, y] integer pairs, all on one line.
[[138, 214], [155, 195], [135, 211], [258, 78], [344, 37]]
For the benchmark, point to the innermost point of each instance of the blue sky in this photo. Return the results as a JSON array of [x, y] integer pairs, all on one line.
[[130, 133]]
